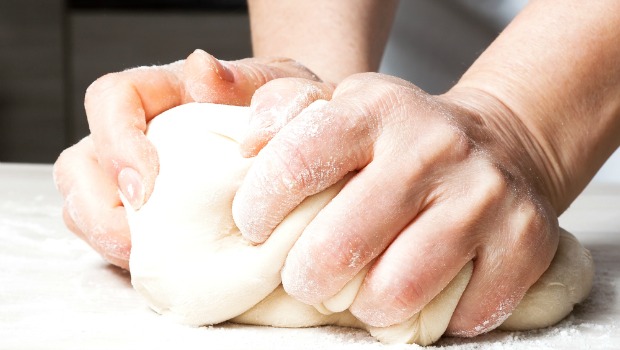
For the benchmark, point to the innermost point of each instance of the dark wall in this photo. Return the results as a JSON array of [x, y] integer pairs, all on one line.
[[50, 51], [31, 80]]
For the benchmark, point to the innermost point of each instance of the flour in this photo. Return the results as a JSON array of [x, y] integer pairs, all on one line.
[[49, 273]]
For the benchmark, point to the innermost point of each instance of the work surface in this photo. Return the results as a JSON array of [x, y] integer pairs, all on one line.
[[56, 293]]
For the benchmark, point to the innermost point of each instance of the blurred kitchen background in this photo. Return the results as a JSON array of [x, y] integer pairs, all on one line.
[[51, 50]]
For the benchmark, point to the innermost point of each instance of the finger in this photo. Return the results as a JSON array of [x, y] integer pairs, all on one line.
[[92, 208], [351, 231], [431, 250], [371, 210], [275, 104], [499, 280], [311, 153], [234, 82], [320, 257], [120, 105]]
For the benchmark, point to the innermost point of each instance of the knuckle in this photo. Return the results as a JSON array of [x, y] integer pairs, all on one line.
[[69, 163], [535, 235], [348, 257], [283, 99], [62, 168], [58, 172], [281, 67], [487, 194], [62, 161], [451, 141], [102, 87], [299, 173], [491, 185], [70, 223], [457, 143], [371, 84], [255, 72], [409, 294], [102, 84], [442, 146]]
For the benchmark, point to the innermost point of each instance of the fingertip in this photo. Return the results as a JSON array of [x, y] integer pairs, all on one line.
[[220, 68], [206, 77], [200, 60], [300, 278], [245, 217], [253, 142], [250, 147]]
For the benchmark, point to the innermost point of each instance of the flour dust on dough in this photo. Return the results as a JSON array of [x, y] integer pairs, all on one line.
[[190, 262]]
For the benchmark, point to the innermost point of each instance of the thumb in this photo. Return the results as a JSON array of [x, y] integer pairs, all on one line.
[[208, 79], [118, 107]]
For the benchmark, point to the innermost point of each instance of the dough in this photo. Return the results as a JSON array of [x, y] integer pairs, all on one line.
[[190, 262]]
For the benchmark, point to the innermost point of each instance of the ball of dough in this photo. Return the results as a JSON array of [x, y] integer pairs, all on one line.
[[190, 262]]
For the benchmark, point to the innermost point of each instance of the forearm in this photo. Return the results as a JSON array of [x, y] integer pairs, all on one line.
[[557, 69], [333, 38]]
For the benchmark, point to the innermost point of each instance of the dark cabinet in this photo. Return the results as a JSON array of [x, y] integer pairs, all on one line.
[[50, 51]]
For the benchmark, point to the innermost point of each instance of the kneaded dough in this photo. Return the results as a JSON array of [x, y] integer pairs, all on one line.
[[190, 262]]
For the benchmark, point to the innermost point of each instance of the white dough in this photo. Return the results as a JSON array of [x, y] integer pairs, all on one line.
[[190, 262]]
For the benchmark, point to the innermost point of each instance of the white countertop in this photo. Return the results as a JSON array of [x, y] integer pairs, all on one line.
[[56, 293]]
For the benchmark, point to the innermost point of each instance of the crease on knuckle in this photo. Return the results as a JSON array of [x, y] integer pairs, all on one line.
[[409, 294], [295, 173], [394, 302], [347, 254], [256, 73]]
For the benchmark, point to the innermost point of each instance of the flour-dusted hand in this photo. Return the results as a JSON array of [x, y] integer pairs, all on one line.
[[117, 155], [438, 183], [479, 173], [92, 208], [273, 107], [211, 275]]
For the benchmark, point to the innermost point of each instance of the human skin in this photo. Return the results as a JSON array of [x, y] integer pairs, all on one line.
[[334, 38], [117, 155], [510, 132], [480, 172]]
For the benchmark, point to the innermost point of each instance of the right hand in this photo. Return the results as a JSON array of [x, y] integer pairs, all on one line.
[[438, 181], [118, 156]]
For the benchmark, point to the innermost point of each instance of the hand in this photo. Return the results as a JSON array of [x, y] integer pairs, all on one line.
[[441, 180], [117, 155]]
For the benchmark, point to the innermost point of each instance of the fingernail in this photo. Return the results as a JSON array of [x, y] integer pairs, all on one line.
[[130, 184]]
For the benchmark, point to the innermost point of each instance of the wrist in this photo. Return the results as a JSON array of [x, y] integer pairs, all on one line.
[[554, 75], [497, 131]]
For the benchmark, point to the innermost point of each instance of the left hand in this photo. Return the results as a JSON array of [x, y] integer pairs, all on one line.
[[118, 156], [441, 180]]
